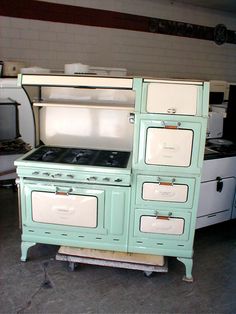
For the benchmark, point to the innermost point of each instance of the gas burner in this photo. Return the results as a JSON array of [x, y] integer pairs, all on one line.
[[79, 156], [113, 159], [47, 154]]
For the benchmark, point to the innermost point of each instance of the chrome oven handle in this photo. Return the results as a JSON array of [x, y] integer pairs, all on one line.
[[60, 191], [165, 182], [163, 217], [172, 125]]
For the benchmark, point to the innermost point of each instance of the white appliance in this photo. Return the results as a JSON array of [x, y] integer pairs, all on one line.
[[9, 90], [218, 94], [215, 125]]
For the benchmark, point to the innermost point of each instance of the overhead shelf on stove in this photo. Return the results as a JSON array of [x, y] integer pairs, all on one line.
[[75, 81], [83, 104]]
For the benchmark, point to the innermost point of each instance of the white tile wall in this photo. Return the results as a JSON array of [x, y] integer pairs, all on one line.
[[51, 45]]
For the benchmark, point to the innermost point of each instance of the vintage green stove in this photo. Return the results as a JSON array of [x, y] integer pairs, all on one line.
[[118, 164]]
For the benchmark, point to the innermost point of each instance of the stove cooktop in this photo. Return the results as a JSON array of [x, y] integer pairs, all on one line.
[[80, 156]]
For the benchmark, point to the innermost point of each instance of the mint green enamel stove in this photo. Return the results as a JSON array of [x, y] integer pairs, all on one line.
[[149, 206]]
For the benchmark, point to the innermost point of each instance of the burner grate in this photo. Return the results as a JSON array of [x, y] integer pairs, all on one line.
[[80, 156], [113, 159], [44, 153]]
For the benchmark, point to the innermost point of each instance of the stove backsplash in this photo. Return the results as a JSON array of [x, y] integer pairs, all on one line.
[[95, 128], [92, 118]]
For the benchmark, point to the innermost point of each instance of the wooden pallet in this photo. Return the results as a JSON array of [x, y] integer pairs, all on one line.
[[144, 262]]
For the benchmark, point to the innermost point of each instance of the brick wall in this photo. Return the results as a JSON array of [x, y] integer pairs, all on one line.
[[51, 45]]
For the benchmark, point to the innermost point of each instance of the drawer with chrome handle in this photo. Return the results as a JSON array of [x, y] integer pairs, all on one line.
[[165, 190], [163, 224]]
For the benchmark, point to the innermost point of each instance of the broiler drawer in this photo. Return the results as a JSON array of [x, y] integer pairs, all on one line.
[[163, 190], [162, 224]]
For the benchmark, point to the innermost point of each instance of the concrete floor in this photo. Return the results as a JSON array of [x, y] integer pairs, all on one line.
[[44, 285]]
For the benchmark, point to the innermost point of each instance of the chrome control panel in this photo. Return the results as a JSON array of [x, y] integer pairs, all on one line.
[[75, 176]]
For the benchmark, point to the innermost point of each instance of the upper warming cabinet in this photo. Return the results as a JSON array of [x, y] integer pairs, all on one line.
[[173, 97]]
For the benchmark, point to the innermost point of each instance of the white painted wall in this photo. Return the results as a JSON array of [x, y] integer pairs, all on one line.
[[51, 45]]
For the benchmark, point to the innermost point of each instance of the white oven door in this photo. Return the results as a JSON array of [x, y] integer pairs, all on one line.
[[152, 224], [171, 147], [155, 191], [64, 209], [167, 193], [167, 142]]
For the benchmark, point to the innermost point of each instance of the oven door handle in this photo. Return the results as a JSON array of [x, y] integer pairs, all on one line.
[[171, 125], [60, 191]]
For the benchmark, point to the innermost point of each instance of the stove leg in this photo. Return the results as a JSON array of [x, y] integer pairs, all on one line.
[[188, 263], [24, 249]]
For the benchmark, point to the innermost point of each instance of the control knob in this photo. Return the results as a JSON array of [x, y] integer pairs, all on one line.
[[70, 176], [92, 178], [118, 180], [35, 173]]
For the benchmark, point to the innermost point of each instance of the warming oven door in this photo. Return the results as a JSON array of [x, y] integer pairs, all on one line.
[[172, 98], [172, 144]]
